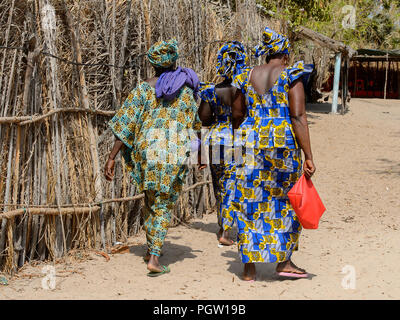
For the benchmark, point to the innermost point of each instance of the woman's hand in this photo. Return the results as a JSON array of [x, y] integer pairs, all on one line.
[[309, 168], [109, 169], [200, 166]]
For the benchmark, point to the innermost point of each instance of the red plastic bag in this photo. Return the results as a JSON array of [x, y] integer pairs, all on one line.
[[306, 203]]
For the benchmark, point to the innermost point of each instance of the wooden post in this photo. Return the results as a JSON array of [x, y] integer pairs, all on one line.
[[338, 62], [122, 59], [147, 32], [376, 78], [84, 98], [386, 75], [31, 61], [344, 85], [398, 78]]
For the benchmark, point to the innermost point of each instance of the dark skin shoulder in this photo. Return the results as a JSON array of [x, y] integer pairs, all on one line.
[[264, 77], [152, 81], [206, 115], [226, 93]]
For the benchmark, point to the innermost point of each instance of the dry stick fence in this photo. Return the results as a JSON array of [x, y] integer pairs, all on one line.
[[66, 209], [52, 109], [85, 208]]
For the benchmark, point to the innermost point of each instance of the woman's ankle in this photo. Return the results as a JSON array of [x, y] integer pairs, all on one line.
[[249, 272]]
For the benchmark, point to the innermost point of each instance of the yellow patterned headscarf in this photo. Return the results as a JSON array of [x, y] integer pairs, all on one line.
[[272, 43], [163, 53]]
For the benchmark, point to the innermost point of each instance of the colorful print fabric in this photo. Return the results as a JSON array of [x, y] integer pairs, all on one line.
[[157, 211], [163, 53], [268, 165], [272, 43], [268, 123], [268, 228], [157, 135], [232, 58], [219, 138], [220, 133]]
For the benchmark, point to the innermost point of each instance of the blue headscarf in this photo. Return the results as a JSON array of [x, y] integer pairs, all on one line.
[[272, 43], [232, 57]]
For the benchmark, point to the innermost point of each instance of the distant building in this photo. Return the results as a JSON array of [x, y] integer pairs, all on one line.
[[375, 74], [372, 74]]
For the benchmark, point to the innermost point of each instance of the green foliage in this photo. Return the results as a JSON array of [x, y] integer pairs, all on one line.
[[377, 21], [297, 12]]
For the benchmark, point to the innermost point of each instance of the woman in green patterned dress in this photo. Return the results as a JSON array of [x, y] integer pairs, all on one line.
[[154, 129]]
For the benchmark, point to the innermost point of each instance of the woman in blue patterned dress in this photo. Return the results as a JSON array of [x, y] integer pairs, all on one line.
[[215, 112], [270, 115], [154, 128]]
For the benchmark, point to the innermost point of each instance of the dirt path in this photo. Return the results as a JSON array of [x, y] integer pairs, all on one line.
[[358, 178]]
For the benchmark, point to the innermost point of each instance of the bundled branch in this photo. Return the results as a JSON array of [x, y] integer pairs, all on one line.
[[78, 208], [24, 120]]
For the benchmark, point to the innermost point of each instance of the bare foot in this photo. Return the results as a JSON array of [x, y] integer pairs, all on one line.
[[153, 265], [290, 267], [249, 272], [223, 238]]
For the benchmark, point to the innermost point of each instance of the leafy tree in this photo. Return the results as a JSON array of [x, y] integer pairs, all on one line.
[[377, 21]]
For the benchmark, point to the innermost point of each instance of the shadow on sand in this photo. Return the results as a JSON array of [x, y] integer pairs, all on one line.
[[211, 227], [171, 252], [323, 107], [265, 271], [387, 167]]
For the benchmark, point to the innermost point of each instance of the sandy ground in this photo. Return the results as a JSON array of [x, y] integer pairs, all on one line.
[[358, 161]]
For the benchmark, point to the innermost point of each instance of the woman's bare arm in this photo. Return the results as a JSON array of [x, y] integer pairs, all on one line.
[[239, 109], [205, 114], [109, 167], [298, 116]]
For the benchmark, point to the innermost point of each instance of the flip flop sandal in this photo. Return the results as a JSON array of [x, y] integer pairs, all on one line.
[[157, 274], [3, 281], [292, 275]]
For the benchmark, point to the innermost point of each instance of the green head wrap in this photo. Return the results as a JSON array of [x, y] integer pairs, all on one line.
[[163, 53]]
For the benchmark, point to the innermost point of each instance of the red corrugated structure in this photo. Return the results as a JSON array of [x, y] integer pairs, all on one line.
[[372, 74]]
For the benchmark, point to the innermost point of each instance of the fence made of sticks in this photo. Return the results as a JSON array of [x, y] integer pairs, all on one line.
[[65, 68]]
